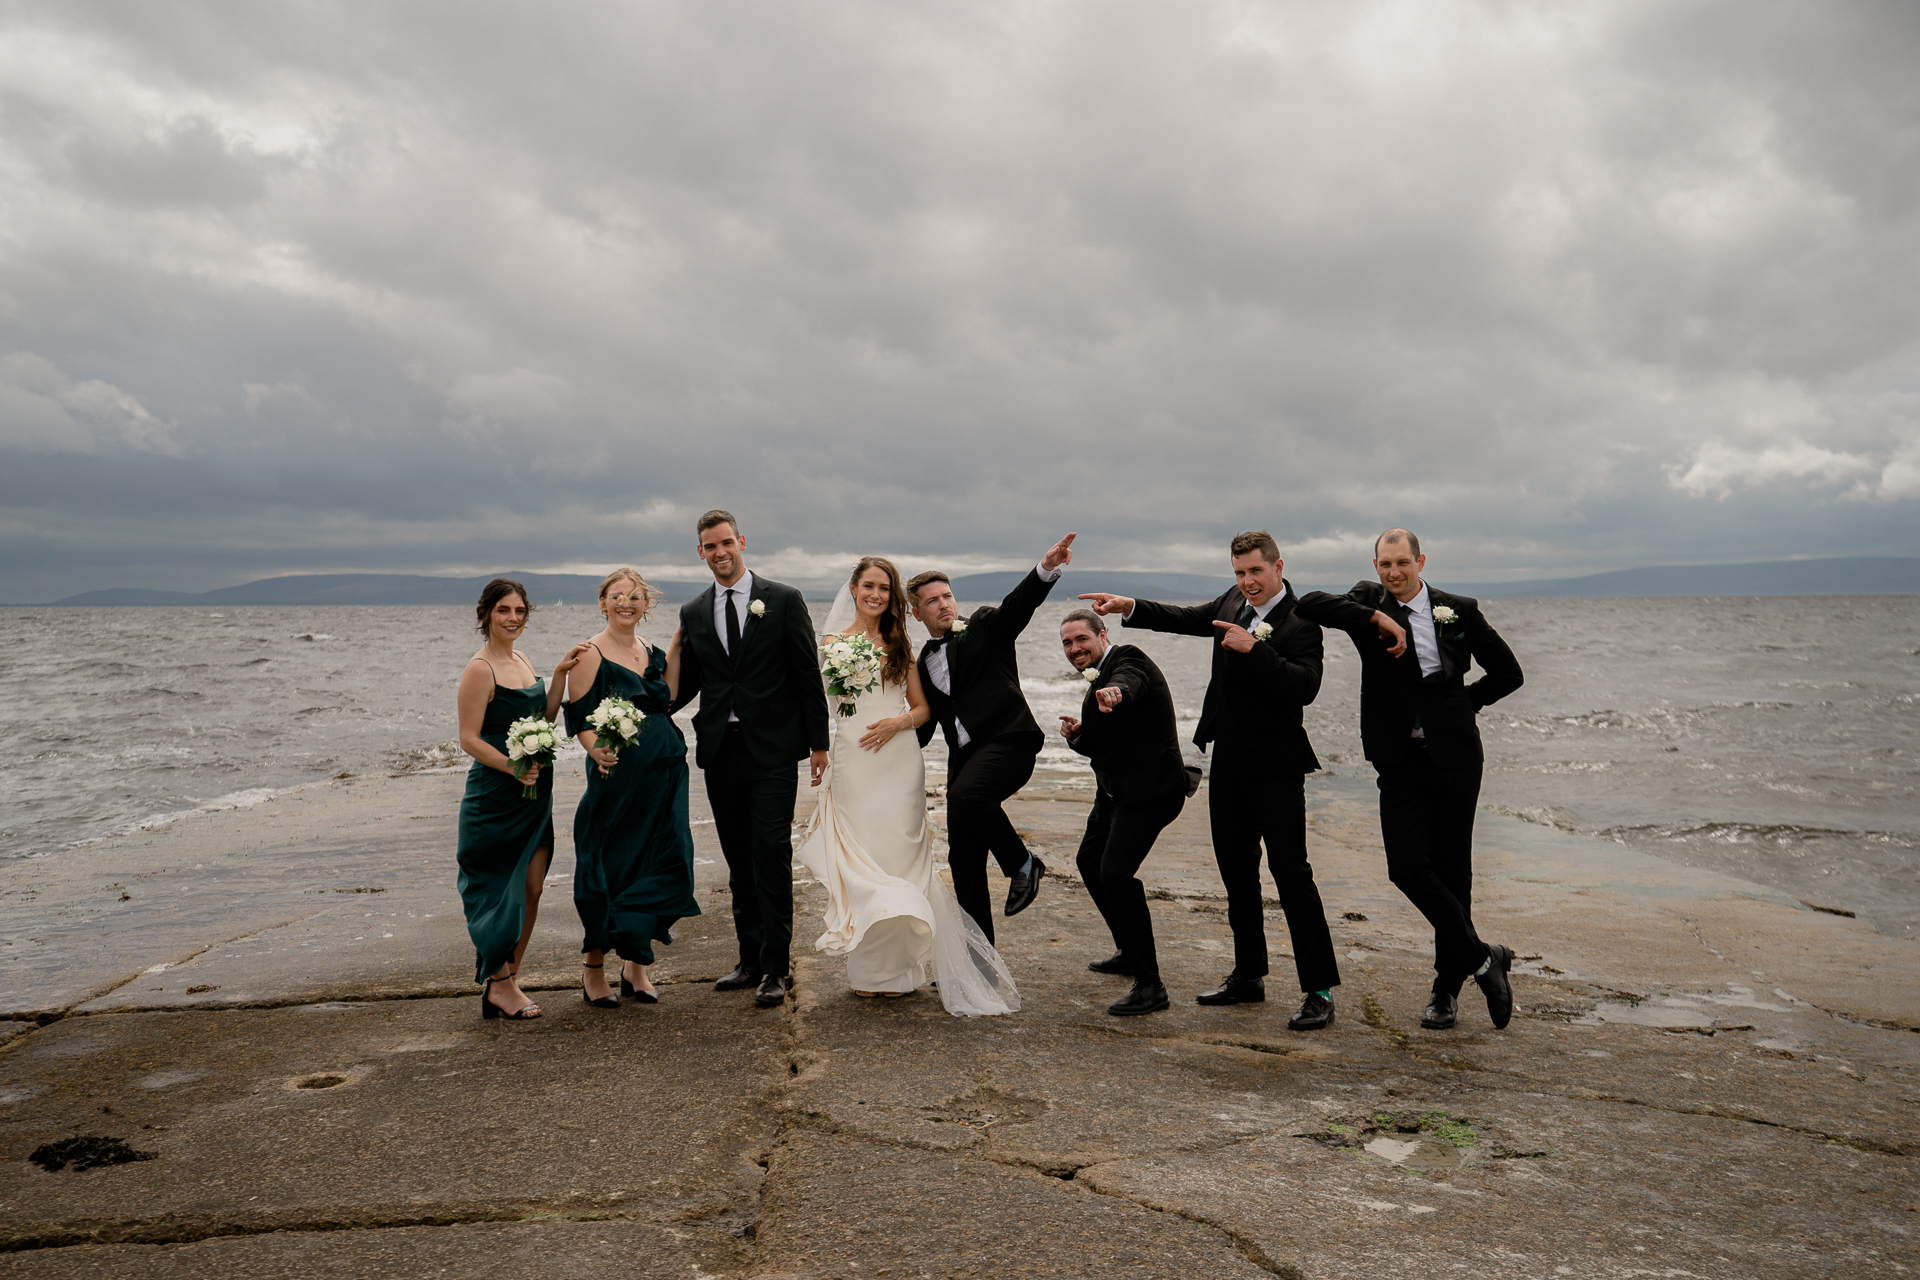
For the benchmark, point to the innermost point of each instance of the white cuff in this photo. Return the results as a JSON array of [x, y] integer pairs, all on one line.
[[1049, 575]]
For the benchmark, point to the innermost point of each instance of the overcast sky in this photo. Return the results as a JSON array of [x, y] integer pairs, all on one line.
[[464, 287]]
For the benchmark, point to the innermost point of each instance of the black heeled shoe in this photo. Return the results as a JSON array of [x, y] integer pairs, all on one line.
[[632, 992], [604, 1002], [489, 1010]]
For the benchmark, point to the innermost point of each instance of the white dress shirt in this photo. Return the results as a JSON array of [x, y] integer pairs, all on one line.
[[743, 592], [1426, 643], [943, 679]]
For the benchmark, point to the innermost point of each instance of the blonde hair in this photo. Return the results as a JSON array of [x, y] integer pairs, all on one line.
[[631, 575]]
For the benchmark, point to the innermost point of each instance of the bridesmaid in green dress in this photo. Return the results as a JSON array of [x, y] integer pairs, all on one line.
[[506, 841], [633, 849]]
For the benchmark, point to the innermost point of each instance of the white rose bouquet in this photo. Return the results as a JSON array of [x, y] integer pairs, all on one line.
[[530, 741], [852, 667], [615, 724]]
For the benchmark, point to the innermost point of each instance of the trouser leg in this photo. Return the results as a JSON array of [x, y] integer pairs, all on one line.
[[1135, 828], [771, 798], [1093, 847], [1284, 823], [984, 776], [1236, 851], [1456, 797], [728, 794], [1413, 804]]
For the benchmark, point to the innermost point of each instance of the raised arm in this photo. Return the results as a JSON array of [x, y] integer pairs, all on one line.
[[1151, 615], [1344, 613], [557, 687]]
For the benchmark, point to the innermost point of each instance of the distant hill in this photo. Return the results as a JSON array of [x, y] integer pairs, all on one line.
[[1150, 586], [371, 588], [1849, 576], [1845, 576]]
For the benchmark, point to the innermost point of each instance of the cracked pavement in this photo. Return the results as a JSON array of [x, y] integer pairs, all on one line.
[[1703, 1078]]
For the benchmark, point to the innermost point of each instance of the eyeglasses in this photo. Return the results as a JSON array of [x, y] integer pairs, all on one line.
[[621, 599]]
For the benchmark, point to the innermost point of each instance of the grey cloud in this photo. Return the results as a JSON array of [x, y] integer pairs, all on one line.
[[1563, 287]]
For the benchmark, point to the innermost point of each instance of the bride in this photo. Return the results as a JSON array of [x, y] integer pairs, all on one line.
[[888, 911]]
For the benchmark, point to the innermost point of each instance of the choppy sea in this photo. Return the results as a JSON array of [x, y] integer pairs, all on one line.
[[1772, 737]]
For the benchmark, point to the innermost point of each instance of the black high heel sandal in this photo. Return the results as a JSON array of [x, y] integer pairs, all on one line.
[[631, 992], [488, 1009], [604, 1002]]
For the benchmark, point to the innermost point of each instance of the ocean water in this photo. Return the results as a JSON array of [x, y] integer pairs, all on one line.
[[1772, 737]]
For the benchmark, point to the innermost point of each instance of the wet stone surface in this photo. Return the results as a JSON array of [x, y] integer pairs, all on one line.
[[1699, 1081]]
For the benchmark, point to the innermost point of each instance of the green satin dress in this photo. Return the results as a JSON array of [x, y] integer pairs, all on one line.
[[632, 847], [500, 831]]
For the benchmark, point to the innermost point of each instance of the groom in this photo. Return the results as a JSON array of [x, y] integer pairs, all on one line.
[[1418, 726], [972, 682], [748, 650]]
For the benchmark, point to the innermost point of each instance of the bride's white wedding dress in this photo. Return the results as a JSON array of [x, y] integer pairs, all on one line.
[[888, 911]]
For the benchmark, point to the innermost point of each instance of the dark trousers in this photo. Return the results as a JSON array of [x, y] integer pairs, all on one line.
[[1426, 823], [753, 816], [1119, 837], [1246, 805], [979, 780]]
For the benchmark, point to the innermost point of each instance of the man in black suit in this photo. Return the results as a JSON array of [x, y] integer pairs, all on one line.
[[748, 650], [972, 681], [1266, 668], [1417, 723], [1126, 728]]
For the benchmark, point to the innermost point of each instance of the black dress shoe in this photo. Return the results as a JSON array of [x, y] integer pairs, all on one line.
[[739, 980], [1116, 964], [1316, 1014], [1493, 982], [1236, 990], [1146, 997], [1442, 1012], [771, 991], [1026, 886]]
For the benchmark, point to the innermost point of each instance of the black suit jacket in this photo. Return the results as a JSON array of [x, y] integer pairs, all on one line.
[[773, 684], [1254, 700], [984, 674], [1135, 748], [1393, 693]]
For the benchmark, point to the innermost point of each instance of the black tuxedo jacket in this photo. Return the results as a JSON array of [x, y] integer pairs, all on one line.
[[773, 683], [985, 675], [1393, 693], [1135, 748], [1254, 700]]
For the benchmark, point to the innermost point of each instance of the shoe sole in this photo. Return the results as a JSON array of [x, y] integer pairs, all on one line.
[[1134, 1013], [1317, 1027]]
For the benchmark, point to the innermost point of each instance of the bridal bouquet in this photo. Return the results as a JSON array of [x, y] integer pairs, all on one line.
[[615, 724], [530, 742], [852, 667]]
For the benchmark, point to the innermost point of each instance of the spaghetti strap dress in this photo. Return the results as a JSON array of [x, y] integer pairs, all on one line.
[[633, 847], [500, 831]]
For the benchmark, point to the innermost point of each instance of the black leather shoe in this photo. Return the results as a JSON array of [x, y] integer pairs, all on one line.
[[771, 991], [1025, 887], [1116, 964], [1499, 991], [1236, 990], [1316, 1014], [1442, 1012], [739, 980], [1146, 997]]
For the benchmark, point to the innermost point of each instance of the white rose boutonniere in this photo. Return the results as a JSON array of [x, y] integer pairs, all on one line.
[[1091, 675], [1443, 615], [959, 627], [758, 608], [1263, 631]]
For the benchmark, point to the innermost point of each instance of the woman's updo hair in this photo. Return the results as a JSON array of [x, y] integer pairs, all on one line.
[[496, 591], [631, 575]]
